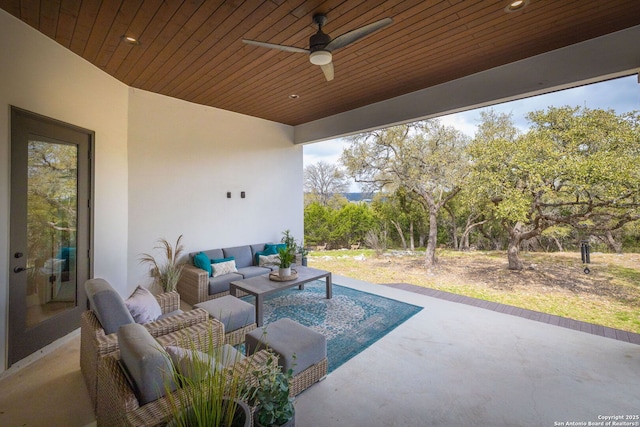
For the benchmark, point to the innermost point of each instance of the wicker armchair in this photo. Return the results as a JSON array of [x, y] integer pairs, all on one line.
[[119, 406], [95, 342]]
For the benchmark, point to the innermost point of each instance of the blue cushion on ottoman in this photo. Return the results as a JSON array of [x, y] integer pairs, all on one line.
[[288, 338], [231, 311]]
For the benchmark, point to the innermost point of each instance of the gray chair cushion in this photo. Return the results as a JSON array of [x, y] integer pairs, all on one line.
[[242, 255], [108, 305], [231, 311], [288, 338], [145, 362]]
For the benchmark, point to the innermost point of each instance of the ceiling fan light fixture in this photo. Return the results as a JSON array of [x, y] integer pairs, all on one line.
[[320, 57]]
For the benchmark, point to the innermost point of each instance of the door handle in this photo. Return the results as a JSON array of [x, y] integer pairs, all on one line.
[[19, 269]]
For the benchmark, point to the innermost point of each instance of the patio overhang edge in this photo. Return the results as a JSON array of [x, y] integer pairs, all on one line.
[[602, 58]]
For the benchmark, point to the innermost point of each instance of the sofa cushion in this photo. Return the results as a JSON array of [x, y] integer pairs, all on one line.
[[145, 362], [253, 271], [143, 306], [108, 305], [221, 283], [242, 255], [201, 260]]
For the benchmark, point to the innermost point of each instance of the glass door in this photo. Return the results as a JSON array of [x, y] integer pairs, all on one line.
[[50, 187]]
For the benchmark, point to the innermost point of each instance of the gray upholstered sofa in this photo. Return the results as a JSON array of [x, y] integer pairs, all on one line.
[[196, 285]]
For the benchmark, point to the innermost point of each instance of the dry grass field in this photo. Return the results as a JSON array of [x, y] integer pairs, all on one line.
[[552, 283]]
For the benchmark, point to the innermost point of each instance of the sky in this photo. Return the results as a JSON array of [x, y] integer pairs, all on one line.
[[621, 95]]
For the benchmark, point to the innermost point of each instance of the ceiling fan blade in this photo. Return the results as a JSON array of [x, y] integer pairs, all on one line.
[[327, 69], [357, 34], [276, 46]]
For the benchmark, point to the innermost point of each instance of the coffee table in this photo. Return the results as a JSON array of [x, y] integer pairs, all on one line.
[[261, 286]]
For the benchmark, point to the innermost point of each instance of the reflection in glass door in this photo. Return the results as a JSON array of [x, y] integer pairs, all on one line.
[[50, 230], [52, 209]]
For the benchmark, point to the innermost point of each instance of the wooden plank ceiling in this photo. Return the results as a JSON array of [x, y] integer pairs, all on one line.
[[192, 49]]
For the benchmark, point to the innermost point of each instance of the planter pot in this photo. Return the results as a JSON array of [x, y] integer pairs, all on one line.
[[243, 416], [284, 272]]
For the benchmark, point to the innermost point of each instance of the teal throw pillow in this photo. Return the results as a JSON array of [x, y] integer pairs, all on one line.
[[272, 249], [201, 260], [258, 257], [219, 260]]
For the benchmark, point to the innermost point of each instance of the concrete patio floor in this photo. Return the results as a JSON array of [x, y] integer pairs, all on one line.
[[451, 364]]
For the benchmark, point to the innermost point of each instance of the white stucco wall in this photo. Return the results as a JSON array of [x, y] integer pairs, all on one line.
[[38, 75], [162, 166], [184, 158]]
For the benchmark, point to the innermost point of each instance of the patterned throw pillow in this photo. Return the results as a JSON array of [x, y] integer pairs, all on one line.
[[268, 260], [224, 268]]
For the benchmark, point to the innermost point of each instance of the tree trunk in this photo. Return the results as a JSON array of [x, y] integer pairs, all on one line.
[[558, 244], [512, 254], [412, 245], [400, 233], [617, 247], [430, 254]]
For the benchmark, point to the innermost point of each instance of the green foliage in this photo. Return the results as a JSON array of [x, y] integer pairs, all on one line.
[[286, 256], [575, 167], [52, 198], [166, 273], [272, 394], [424, 158]]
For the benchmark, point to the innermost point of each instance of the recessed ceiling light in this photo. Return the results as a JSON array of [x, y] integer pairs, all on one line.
[[515, 5], [294, 96], [130, 39]]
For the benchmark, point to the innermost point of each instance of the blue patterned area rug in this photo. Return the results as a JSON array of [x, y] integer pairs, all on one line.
[[352, 320]]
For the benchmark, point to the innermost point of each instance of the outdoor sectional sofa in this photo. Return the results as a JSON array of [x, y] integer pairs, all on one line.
[[197, 285]]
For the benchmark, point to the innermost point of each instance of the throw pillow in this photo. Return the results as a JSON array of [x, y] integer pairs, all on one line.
[[224, 267], [219, 260], [192, 364], [201, 260], [271, 249], [143, 306], [268, 260], [195, 364]]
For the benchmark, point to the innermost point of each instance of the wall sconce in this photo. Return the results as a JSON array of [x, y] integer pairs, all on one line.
[[228, 194], [242, 194]]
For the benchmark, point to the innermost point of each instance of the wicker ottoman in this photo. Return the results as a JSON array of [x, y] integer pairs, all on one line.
[[238, 317], [288, 338]]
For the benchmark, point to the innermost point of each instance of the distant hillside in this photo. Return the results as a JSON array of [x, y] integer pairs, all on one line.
[[358, 197]]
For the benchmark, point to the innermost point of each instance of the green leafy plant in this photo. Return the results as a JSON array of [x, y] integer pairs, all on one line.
[[287, 256], [165, 272], [271, 394]]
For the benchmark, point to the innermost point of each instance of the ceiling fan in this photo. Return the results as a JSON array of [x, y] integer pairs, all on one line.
[[321, 45]]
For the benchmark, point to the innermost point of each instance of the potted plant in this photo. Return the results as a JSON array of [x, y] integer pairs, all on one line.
[[271, 395], [165, 273], [286, 256], [213, 391]]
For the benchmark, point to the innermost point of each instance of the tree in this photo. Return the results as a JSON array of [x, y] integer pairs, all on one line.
[[425, 158], [323, 180], [575, 167]]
